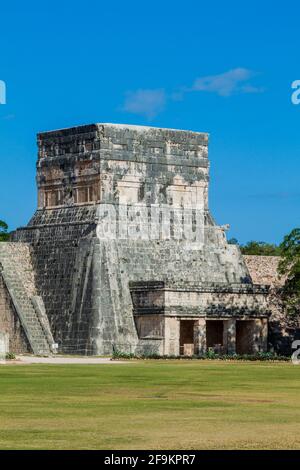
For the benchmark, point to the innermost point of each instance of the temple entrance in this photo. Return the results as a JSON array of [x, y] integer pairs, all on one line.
[[187, 347], [214, 335]]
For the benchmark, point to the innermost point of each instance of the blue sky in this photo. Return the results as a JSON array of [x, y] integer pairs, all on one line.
[[221, 67]]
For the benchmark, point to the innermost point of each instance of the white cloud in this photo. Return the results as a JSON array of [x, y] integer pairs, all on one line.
[[227, 83], [147, 103], [150, 102], [8, 117]]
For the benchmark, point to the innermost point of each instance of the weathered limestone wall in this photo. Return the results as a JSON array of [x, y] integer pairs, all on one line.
[[175, 262], [62, 249], [122, 164], [282, 328], [263, 269], [79, 281], [222, 303]]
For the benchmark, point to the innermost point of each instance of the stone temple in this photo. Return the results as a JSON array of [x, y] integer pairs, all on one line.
[[106, 262]]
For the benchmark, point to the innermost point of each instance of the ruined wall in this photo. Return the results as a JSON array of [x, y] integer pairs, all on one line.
[[263, 269], [283, 329]]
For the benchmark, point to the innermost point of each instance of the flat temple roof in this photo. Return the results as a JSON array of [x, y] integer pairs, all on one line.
[[93, 127]]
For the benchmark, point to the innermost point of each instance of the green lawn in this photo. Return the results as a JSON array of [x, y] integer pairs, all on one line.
[[151, 405]]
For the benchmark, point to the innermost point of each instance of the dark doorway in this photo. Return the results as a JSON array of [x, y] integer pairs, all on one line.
[[187, 337], [214, 334], [245, 336]]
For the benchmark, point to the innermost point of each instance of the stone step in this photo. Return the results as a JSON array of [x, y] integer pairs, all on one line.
[[18, 276]]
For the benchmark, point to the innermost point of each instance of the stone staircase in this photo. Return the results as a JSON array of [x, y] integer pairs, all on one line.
[[18, 276]]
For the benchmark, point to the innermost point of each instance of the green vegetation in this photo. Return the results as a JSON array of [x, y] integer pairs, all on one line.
[[260, 248], [260, 356], [150, 404], [10, 356], [289, 267], [257, 248], [4, 235]]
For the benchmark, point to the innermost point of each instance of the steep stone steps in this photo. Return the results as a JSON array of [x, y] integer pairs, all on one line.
[[17, 273]]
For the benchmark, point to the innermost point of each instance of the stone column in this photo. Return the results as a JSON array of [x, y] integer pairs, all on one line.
[[229, 336], [260, 335], [172, 336], [200, 336], [4, 345], [264, 334]]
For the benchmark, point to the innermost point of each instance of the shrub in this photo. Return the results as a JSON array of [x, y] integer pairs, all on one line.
[[10, 356], [260, 356], [4, 235], [122, 355], [289, 267]]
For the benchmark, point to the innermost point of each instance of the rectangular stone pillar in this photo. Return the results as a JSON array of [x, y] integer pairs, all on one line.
[[200, 336], [264, 335], [260, 335], [4, 345], [172, 336], [229, 336]]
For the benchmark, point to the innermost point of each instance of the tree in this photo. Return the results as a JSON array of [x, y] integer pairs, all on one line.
[[4, 236], [289, 267], [261, 249], [233, 241]]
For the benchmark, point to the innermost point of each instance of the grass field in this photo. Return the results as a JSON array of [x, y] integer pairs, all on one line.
[[150, 405]]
